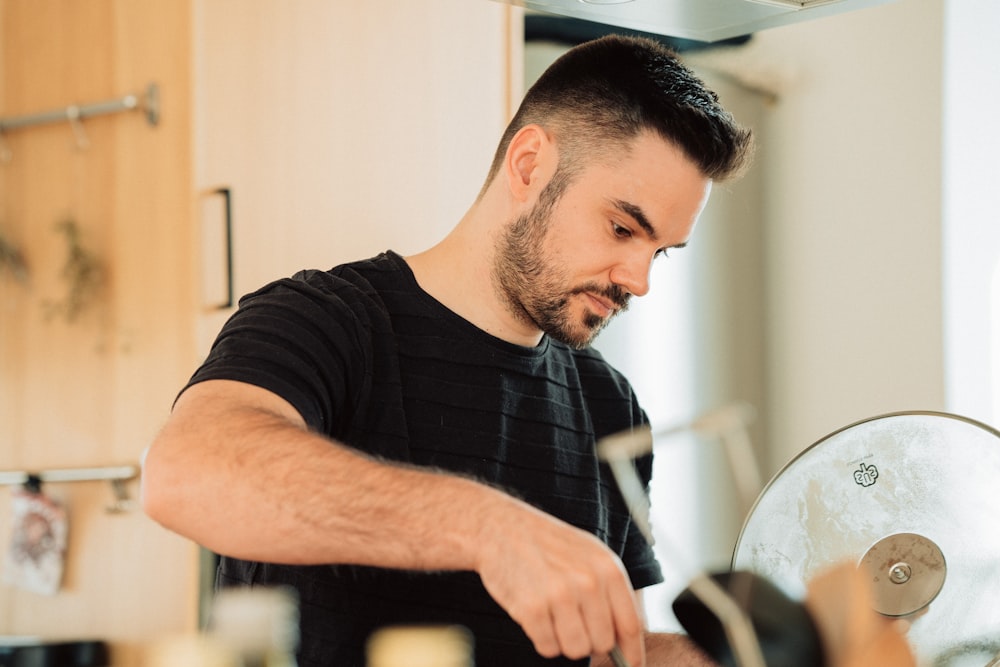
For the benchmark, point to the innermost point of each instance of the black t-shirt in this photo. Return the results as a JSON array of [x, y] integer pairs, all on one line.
[[370, 359]]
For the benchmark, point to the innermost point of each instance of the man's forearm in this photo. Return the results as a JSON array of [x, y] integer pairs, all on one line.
[[249, 482], [664, 649]]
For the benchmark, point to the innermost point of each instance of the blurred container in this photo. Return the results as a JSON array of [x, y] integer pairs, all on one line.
[[260, 624], [190, 651], [421, 646]]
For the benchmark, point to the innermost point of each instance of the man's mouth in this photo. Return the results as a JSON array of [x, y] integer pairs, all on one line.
[[601, 305], [607, 301]]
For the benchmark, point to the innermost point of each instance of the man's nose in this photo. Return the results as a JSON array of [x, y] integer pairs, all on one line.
[[633, 275]]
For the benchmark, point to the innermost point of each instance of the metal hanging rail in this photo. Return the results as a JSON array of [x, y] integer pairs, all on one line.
[[149, 102], [112, 473]]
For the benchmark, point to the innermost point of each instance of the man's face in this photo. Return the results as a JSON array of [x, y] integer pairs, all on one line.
[[574, 260]]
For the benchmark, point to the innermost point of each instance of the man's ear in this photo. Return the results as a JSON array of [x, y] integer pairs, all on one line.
[[530, 162]]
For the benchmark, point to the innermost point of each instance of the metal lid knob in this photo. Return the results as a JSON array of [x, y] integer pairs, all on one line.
[[907, 572]]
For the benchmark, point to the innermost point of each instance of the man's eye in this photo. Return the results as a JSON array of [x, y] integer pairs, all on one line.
[[621, 232], [662, 252]]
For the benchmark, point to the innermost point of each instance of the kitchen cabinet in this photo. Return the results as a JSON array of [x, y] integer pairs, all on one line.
[[341, 130]]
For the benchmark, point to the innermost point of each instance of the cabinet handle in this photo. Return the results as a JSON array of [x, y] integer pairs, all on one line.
[[227, 198]]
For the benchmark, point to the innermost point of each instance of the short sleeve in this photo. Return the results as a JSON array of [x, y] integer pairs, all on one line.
[[306, 339]]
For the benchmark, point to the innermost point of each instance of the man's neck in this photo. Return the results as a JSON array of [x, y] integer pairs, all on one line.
[[457, 272]]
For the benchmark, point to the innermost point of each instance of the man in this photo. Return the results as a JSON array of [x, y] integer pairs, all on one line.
[[411, 440]]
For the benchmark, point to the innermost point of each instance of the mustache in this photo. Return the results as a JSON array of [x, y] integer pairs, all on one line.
[[613, 293]]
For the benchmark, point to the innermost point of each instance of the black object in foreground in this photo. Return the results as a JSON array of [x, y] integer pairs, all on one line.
[[785, 631]]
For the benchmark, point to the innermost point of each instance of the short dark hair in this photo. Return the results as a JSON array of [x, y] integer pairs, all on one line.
[[601, 94]]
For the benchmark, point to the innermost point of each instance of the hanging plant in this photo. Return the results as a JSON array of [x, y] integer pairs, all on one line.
[[12, 261], [82, 272]]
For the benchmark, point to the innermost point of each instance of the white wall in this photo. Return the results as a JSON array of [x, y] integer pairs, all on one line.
[[851, 162]]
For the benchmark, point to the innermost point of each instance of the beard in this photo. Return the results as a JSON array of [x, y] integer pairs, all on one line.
[[535, 289]]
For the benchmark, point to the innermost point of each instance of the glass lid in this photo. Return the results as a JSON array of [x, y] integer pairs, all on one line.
[[914, 499]]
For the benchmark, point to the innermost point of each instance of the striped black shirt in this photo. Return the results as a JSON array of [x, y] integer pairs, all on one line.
[[370, 359]]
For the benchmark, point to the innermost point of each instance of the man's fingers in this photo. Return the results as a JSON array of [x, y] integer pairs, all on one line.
[[607, 615], [587, 617], [575, 640], [537, 623], [569, 593], [600, 624], [582, 615], [628, 624]]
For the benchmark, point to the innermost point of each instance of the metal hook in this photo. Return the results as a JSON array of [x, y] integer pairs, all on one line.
[[73, 116], [151, 104], [123, 503], [33, 484]]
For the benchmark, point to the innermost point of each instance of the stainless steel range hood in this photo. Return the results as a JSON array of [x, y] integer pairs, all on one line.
[[702, 20]]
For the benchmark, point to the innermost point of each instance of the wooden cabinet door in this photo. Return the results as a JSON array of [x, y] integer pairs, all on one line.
[[341, 129]]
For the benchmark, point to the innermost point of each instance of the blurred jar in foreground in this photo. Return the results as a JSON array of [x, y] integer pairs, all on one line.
[[261, 625], [420, 646], [190, 651]]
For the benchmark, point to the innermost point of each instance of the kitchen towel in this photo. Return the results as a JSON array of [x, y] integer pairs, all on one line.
[[37, 551]]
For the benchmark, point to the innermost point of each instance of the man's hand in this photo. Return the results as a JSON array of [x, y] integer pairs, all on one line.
[[567, 590]]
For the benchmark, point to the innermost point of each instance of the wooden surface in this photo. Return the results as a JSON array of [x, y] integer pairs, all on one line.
[[343, 132], [93, 391]]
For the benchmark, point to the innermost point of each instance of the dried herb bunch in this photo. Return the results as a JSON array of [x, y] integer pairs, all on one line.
[[82, 272]]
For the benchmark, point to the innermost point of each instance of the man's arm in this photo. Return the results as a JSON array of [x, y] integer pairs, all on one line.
[[236, 470], [664, 649]]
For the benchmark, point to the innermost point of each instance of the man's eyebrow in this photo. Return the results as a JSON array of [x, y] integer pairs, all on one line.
[[637, 214], [640, 218]]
